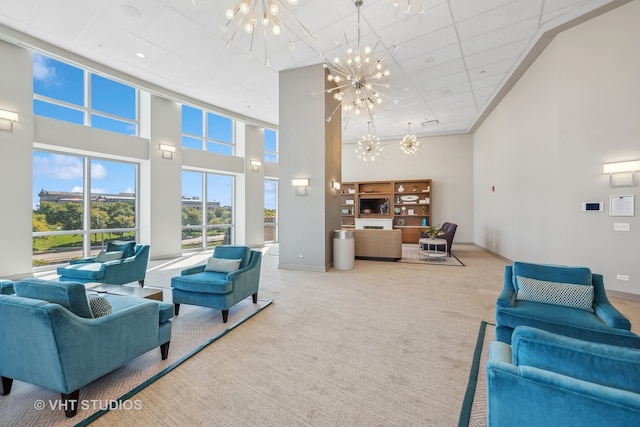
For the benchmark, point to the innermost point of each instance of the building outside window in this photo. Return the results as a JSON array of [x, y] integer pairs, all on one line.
[[203, 130], [270, 210], [213, 194], [65, 92], [79, 205], [270, 146]]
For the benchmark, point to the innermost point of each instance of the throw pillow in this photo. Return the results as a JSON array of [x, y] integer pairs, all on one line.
[[128, 248], [99, 306], [222, 265], [564, 294], [105, 256]]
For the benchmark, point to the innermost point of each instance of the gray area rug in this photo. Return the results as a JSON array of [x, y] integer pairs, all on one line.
[[193, 330], [411, 255]]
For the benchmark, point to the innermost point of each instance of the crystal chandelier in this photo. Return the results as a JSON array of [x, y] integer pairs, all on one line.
[[255, 16], [358, 79], [409, 143], [369, 148], [407, 8]]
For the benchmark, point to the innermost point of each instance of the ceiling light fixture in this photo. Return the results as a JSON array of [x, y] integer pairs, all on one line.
[[369, 148], [409, 143], [253, 15], [356, 79], [407, 8]]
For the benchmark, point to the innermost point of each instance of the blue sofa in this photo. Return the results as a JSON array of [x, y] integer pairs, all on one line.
[[49, 337], [230, 275], [569, 301], [544, 378], [130, 266]]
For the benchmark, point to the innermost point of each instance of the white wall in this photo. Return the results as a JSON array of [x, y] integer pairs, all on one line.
[[16, 179], [447, 160], [543, 149]]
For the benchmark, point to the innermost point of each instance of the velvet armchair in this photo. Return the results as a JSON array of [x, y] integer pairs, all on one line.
[[544, 378], [49, 336], [230, 275], [565, 300], [122, 262]]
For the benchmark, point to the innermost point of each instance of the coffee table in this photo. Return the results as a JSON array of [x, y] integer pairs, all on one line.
[[149, 293]]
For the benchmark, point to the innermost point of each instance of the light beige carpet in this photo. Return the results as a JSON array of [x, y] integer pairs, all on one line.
[[195, 327]]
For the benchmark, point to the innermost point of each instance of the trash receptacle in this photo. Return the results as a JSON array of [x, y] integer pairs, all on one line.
[[344, 248]]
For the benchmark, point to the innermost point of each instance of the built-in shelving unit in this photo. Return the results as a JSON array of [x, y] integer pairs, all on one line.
[[407, 203]]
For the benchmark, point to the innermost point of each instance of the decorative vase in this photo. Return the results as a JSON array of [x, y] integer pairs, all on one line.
[[401, 189], [424, 222]]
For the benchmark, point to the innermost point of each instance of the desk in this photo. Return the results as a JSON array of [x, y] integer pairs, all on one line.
[[429, 248]]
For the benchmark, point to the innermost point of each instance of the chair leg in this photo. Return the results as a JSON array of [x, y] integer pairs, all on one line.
[[141, 283], [225, 316], [176, 309], [164, 350], [70, 403], [255, 298], [6, 385]]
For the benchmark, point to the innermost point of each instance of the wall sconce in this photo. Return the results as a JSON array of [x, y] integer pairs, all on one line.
[[255, 165], [335, 187], [7, 118], [167, 151], [300, 185], [621, 167]]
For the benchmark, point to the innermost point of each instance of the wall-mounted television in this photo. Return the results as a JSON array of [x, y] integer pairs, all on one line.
[[374, 206]]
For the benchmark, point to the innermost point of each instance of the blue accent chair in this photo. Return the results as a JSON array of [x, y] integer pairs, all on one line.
[[549, 379], [603, 323], [132, 267], [217, 289], [49, 338], [6, 287]]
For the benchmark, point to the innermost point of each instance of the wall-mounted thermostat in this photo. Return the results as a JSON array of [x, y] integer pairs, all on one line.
[[592, 206]]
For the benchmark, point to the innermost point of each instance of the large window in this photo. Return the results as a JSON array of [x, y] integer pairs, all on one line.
[[202, 130], [65, 92], [270, 146], [212, 194], [270, 210], [79, 205]]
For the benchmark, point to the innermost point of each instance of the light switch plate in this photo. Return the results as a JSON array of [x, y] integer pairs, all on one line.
[[621, 226]]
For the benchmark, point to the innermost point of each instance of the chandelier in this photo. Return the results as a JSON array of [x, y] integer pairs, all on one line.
[[255, 16], [409, 143], [358, 79], [407, 8], [369, 148]]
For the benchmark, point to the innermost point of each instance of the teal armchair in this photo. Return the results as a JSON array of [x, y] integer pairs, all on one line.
[[544, 378], [130, 267], [49, 337], [230, 275], [565, 300]]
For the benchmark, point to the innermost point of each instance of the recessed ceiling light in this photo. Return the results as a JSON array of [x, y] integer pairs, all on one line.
[[140, 55], [131, 11]]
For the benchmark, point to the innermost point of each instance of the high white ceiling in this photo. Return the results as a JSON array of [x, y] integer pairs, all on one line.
[[451, 63]]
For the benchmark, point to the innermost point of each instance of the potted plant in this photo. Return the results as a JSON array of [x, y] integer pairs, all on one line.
[[433, 231]]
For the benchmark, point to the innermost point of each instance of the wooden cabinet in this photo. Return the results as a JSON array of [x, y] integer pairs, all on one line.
[[407, 203], [412, 208]]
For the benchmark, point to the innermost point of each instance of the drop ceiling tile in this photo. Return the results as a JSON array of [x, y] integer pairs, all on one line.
[[465, 9], [496, 19], [520, 31]]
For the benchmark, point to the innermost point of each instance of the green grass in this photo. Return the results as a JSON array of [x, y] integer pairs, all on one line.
[[44, 244]]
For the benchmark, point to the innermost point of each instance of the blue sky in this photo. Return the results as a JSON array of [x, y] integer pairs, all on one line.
[[56, 172]]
